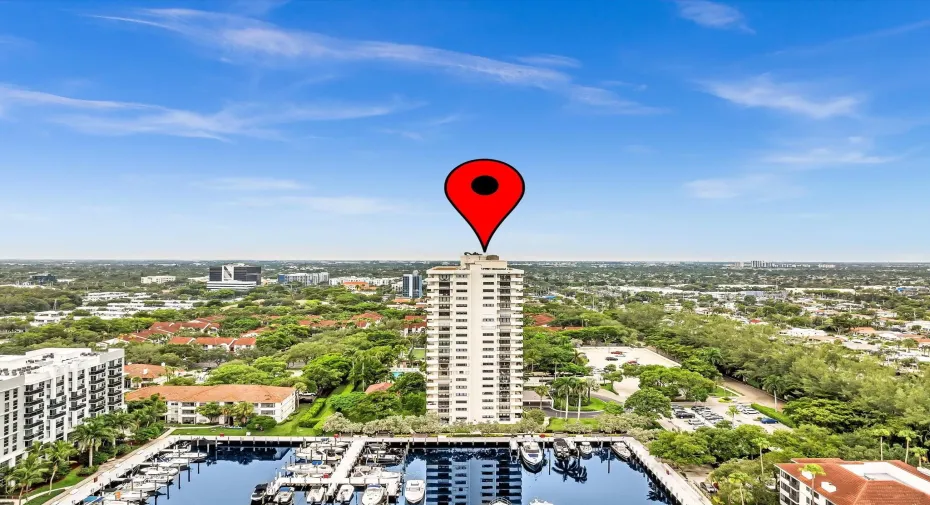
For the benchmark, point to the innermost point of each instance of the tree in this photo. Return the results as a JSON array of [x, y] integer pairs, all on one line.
[[681, 448], [740, 479], [30, 470], [563, 386], [920, 454], [881, 433], [236, 372], [243, 411], [907, 435], [649, 402], [775, 384], [58, 454], [122, 422], [211, 411], [90, 435], [813, 470], [732, 410], [411, 382]]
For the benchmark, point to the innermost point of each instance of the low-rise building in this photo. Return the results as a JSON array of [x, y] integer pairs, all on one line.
[[158, 279], [144, 375], [104, 296], [271, 401], [852, 483]]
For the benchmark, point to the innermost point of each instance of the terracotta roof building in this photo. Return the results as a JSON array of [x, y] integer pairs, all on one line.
[[374, 388], [889, 482], [276, 402]]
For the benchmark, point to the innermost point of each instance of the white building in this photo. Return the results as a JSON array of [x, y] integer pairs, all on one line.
[[305, 278], [46, 393], [852, 483], [105, 296], [158, 279], [412, 285], [49, 317], [271, 401], [474, 343]]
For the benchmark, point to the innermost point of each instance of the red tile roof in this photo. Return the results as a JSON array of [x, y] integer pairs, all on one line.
[[413, 317], [244, 341], [181, 340], [373, 316], [221, 393], [853, 489], [144, 371], [381, 386], [214, 340], [542, 319]]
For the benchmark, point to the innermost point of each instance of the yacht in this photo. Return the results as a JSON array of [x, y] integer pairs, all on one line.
[[258, 495], [193, 455], [345, 493], [167, 470], [500, 501], [143, 486], [309, 469], [571, 445], [284, 495], [414, 490], [123, 495], [373, 495], [561, 448], [316, 495], [158, 478], [531, 454], [621, 450], [585, 448], [537, 501]]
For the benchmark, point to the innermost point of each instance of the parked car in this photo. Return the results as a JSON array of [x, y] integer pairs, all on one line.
[[612, 358], [708, 487], [684, 415], [767, 420], [618, 353]]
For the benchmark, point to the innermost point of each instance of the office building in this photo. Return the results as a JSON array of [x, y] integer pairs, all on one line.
[[412, 285], [158, 279], [852, 483], [307, 279], [474, 342], [758, 264], [48, 392], [235, 276], [271, 401], [42, 279]]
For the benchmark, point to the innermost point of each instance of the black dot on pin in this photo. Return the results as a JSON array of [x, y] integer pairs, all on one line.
[[484, 185]]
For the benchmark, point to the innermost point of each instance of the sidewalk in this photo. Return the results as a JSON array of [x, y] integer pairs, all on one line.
[[95, 482]]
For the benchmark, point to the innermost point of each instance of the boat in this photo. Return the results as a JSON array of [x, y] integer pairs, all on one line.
[[381, 473], [414, 490], [345, 493], [163, 470], [122, 495], [143, 486], [571, 445], [500, 501], [531, 454], [316, 495], [193, 455], [309, 469], [258, 495], [561, 448], [537, 501], [115, 502], [384, 457], [284, 495], [373, 495], [585, 448], [159, 478], [621, 450], [176, 450]]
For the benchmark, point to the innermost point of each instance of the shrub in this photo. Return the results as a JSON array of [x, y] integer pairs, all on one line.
[[101, 457], [123, 449], [774, 414], [261, 423], [315, 408], [84, 471]]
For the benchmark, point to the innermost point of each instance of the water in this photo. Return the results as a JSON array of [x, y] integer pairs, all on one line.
[[453, 477]]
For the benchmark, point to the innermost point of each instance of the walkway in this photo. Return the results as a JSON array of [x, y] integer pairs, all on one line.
[[676, 485], [345, 466], [113, 468], [750, 394]]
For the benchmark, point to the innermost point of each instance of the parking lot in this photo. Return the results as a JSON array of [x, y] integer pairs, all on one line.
[[599, 357], [712, 412]]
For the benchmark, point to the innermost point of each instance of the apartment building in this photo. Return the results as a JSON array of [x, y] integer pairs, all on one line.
[[307, 279], [271, 401], [235, 276], [104, 296], [412, 285], [474, 342], [46, 393], [158, 279], [852, 483], [474, 478]]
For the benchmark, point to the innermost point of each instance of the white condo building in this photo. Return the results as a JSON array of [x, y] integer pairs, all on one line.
[[474, 343], [46, 393]]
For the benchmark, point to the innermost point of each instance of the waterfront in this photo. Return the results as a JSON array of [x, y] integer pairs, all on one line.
[[456, 476]]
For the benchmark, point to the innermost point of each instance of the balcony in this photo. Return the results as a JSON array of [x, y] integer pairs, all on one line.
[[60, 402], [97, 387], [33, 424], [33, 400], [78, 395], [115, 400], [57, 414], [115, 372], [77, 405]]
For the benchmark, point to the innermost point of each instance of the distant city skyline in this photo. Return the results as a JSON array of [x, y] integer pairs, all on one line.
[[679, 130]]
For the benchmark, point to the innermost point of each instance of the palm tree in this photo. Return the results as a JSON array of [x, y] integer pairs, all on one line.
[[761, 442], [739, 479], [580, 388], [775, 383], [29, 471], [920, 453], [813, 470], [907, 435], [90, 436], [211, 411], [881, 433], [592, 385], [243, 410], [732, 410], [565, 387], [123, 422], [227, 412], [58, 454]]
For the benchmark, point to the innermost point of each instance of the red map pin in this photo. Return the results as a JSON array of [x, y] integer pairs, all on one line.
[[484, 192]]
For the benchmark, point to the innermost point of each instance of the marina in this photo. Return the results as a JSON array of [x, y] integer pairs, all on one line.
[[386, 470]]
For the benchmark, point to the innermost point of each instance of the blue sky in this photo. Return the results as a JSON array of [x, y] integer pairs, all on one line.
[[646, 130]]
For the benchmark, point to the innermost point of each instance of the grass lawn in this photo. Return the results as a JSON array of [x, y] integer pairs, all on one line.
[[44, 498], [721, 392], [285, 429], [558, 424], [64, 480], [418, 353], [595, 404]]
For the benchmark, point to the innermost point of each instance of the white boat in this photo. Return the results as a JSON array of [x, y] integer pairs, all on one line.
[[284, 495], [161, 478], [316, 495], [165, 470], [500, 501], [174, 462], [537, 501], [115, 502], [585, 448], [176, 450], [561, 448], [571, 445], [381, 473], [345, 493], [414, 490], [145, 487], [621, 450], [373, 495], [193, 456], [121, 495], [259, 494], [531, 454], [309, 469]]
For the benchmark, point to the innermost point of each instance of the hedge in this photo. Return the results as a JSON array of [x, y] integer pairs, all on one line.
[[774, 414]]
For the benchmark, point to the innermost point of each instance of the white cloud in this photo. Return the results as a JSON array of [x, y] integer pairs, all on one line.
[[602, 101], [713, 15], [825, 156], [344, 205], [760, 186], [252, 184], [550, 60], [126, 118], [762, 91], [240, 39]]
